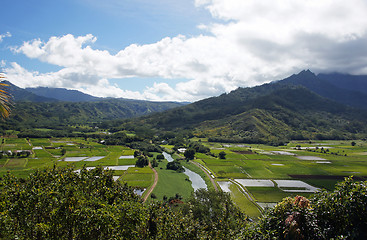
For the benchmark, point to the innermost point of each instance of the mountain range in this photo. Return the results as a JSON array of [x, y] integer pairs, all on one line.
[[62, 94], [302, 106], [48, 107]]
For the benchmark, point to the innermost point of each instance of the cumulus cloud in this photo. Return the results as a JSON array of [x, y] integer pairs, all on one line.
[[251, 42]]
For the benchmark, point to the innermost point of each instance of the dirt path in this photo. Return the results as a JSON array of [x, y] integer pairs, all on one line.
[[206, 172], [154, 183]]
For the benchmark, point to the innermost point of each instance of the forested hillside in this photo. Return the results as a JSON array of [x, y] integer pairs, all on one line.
[[271, 113], [49, 114]]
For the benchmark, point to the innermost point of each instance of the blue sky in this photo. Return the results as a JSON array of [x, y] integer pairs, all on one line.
[[115, 23], [182, 50]]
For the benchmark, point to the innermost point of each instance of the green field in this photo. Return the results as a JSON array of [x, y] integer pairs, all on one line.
[[138, 177], [243, 202], [319, 163], [47, 153], [171, 182]]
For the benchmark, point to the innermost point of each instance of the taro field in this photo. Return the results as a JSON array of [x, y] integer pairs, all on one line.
[[256, 176], [23, 156], [259, 176]]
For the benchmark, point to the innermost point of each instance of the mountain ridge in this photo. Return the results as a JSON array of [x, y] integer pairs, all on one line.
[[273, 112], [63, 94]]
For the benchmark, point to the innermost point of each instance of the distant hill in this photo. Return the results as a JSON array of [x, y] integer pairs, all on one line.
[[47, 114], [62, 94], [32, 111], [274, 112], [22, 95]]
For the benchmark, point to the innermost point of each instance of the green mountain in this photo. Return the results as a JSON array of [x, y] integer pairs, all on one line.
[[62, 94], [346, 89], [274, 112], [47, 114], [20, 94], [34, 111], [346, 81]]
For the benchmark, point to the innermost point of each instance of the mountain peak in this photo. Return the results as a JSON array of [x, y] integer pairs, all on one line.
[[306, 73]]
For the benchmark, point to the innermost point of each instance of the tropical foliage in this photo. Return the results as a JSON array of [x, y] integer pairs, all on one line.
[[60, 203], [4, 99]]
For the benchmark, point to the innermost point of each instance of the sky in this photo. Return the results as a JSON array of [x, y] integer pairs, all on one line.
[[177, 50]]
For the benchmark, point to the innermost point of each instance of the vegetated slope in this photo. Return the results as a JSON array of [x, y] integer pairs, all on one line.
[[272, 112], [345, 81], [63, 94], [289, 113], [28, 114], [20, 94], [346, 89]]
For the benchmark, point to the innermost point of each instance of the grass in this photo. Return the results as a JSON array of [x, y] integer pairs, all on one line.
[[16, 163], [243, 202], [328, 184], [171, 182], [271, 194], [138, 177]]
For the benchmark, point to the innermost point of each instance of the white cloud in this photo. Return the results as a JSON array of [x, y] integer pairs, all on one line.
[[2, 36], [254, 41]]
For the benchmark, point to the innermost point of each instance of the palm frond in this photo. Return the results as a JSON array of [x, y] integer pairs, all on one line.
[[5, 99]]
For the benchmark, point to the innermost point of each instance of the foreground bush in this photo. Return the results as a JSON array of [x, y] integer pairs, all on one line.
[[61, 204], [340, 214]]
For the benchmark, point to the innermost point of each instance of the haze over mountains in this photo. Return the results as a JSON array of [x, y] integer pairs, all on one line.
[[48, 107]]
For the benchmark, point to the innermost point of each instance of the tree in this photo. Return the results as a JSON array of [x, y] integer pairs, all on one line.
[[176, 166], [189, 154], [5, 99], [63, 151], [160, 156], [216, 213], [222, 155], [142, 161], [154, 163], [343, 212], [61, 204], [153, 196]]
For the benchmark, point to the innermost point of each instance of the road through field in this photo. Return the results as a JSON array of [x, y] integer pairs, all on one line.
[[154, 183]]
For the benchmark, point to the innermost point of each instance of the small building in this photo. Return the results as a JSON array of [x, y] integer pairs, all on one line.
[[181, 150]]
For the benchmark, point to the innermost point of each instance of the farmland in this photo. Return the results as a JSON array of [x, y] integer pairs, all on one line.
[[299, 168], [258, 175]]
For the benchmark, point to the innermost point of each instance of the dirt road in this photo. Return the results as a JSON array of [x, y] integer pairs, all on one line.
[[150, 190]]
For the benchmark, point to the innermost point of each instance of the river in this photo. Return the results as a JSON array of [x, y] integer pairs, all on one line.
[[196, 180]]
